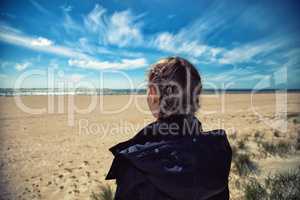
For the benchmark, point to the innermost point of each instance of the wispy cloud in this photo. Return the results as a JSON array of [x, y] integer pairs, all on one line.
[[247, 52], [71, 25], [84, 45], [120, 29], [37, 43], [123, 29], [80, 59], [238, 77], [6, 28], [191, 40], [212, 21], [177, 44], [99, 65], [96, 21], [22, 66], [39, 7]]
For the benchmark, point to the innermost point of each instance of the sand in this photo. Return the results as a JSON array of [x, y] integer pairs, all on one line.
[[43, 157]]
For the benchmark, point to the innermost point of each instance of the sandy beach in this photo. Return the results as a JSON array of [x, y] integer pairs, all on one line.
[[58, 155]]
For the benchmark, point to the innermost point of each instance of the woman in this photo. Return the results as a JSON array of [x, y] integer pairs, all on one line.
[[172, 158]]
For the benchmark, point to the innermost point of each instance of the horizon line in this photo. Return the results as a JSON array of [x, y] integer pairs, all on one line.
[[8, 88]]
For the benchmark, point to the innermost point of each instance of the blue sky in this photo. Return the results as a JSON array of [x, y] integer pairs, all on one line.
[[234, 44]]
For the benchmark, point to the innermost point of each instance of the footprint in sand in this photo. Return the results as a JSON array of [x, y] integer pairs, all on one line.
[[73, 177], [76, 191], [86, 162], [68, 170]]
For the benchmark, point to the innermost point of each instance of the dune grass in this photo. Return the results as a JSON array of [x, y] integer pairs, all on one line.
[[281, 148], [254, 190], [106, 193], [241, 144], [297, 146], [243, 163], [275, 187]]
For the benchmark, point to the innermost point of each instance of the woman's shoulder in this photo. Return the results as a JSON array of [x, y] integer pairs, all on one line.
[[138, 138]]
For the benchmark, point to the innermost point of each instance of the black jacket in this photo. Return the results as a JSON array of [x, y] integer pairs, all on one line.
[[172, 159]]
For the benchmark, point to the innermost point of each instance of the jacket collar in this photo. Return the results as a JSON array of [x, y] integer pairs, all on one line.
[[169, 128]]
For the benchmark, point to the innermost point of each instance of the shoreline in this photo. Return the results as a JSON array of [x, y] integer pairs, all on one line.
[[131, 94]]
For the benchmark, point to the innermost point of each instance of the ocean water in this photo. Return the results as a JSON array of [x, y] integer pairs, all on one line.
[[81, 91], [86, 91]]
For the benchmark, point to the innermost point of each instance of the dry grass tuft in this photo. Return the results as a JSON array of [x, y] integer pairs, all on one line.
[[276, 187], [105, 193]]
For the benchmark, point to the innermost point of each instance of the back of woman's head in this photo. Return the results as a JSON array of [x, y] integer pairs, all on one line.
[[178, 85]]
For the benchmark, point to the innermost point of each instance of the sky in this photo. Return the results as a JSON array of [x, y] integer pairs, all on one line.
[[112, 44]]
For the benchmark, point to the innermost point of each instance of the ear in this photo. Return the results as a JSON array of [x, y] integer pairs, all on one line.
[[153, 93]]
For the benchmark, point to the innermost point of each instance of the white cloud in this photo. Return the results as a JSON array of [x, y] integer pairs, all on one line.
[[40, 41], [123, 64], [22, 66], [180, 44], [191, 40], [38, 44], [248, 52], [177, 44], [6, 28], [120, 29], [237, 74], [86, 46], [123, 30], [79, 59], [95, 20]]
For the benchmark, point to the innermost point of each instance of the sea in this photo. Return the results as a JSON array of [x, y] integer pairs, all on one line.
[[106, 91]]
